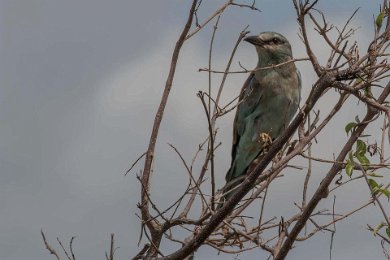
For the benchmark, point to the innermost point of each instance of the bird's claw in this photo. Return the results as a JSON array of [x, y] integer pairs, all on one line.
[[265, 139]]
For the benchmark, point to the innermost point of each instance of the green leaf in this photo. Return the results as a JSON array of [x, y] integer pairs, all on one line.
[[378, 228], [374, 174], [349, 168], [388, 231], [385, 192], [363, 160], [373, 184], [375, 190], [350, 157], [361, 147], [379, 19], [350, 126]]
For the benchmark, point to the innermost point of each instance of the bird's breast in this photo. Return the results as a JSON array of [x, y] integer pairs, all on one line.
[[274, 84], [278, 103]]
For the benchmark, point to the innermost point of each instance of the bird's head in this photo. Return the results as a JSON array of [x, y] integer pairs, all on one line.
[[271, 47]]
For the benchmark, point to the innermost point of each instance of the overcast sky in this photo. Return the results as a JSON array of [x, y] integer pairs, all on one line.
[[80, 82]]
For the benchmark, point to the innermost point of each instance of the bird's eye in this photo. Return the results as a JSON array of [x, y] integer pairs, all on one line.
[[275, 41]]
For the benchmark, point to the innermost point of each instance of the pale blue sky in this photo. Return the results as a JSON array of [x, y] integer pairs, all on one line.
[[80, 82]]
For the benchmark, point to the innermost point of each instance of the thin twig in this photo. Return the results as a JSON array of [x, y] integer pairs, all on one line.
[[145, 180], [63, 249], [48, 247], [112, 248], [136, 161], [274, 66]]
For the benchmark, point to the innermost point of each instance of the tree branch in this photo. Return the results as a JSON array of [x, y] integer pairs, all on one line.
[[154, 226]]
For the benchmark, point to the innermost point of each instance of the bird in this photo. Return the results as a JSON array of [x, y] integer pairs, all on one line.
[[267, 102]]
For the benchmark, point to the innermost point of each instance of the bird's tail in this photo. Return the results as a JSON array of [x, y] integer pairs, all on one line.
[[229, 188], [234, 177]]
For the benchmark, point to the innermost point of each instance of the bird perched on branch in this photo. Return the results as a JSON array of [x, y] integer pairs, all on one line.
[[267, 103]]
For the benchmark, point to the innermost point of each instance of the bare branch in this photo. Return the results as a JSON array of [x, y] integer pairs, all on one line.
[[110, 256], [154, 226], [48, 247], [135, 163], [257, 69], [327, 180]]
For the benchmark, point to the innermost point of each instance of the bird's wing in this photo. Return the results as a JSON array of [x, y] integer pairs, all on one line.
[[239, 127]]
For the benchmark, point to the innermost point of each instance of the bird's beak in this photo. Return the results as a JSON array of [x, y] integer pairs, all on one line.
[[254, 40]]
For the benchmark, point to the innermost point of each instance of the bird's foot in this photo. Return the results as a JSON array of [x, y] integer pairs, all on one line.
[[265, 139]]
